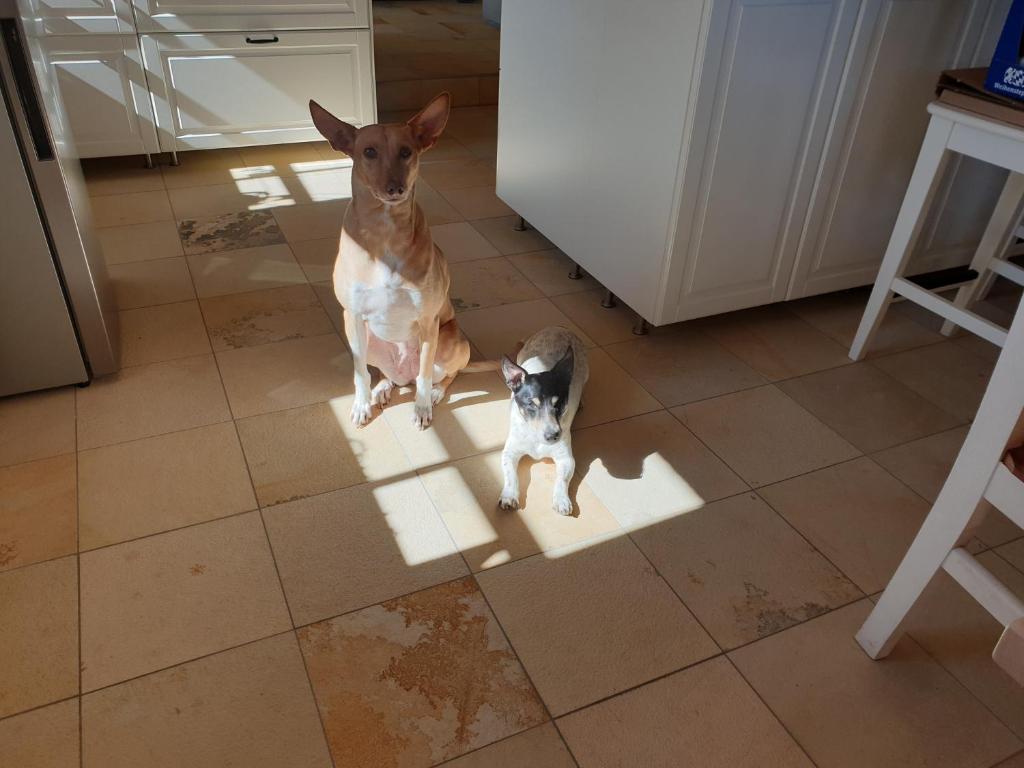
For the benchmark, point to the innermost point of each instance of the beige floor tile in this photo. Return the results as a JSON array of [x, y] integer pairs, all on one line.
[[133, 208], [477, 202], [147, 283], [149, 400], [742, 570], [549, 271], [458, 174], [316, 257], [507, 240], [37, 425], [977, 345], [847, 710], [466, 494], [856, 514], [587, 615], [763, 435], [38, 635], [424, 678], [488, 283], [867, 407], [706, 716], [946, 374], [680, 366], [325, 292], [248, 706], [311, 221], [436, 208], [446, 148], [38, 511], [202, 168], [229, 232], [460, 242], [345, 550], [281, 156], [611, 393], [960, 634], [1017, 761], [160, 483], [924, 465], [539, 747], [472, 419], [316, 448], [140, 242], [1013, 553], [159, 601], [496, 331], [651, 468], [604, 326], [262, 317], [248, 194], [245, 269], [774, 342], [42, 738], [838, 315], [120, 176], [272, 377], [165, 332]]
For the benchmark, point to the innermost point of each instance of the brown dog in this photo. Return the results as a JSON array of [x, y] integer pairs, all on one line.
[[389, 277]]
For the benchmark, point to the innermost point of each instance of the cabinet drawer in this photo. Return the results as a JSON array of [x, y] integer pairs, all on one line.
[[217, 15], [234, 89], [103, 86], [83, 17]]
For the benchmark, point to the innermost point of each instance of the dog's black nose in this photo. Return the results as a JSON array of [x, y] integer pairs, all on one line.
[[395, 189], [552, 435]]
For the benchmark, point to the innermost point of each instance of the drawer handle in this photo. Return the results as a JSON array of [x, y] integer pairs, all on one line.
[[262, 40]]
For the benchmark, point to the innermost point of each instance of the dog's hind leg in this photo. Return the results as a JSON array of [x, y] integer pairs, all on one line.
[[381, 393]]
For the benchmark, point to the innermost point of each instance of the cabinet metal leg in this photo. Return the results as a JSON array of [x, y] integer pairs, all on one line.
[[149, 160], [521, 225], [641, 328], [608, 302], [174, 159], [577, 273]]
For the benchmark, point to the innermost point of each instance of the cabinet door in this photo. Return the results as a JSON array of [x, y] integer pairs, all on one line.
[[770, 76], [234, 89], [880, 120], [217, 15], [103, 87], [83, 17]]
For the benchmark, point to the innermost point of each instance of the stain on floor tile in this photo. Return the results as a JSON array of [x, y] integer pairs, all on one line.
[[245, 229], [417, 680]]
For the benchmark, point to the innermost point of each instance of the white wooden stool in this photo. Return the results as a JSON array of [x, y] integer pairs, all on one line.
[[977, 473], [952, 130]]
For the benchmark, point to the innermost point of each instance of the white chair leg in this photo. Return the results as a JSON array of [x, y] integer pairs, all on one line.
[[951, 515], [923, 183], [994, 243]]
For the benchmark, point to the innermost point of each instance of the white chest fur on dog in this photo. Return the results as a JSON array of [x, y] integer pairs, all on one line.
[[391, 306], [543, 432]]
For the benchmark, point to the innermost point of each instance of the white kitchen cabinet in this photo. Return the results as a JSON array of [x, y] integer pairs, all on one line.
[[83, 17], [241, 88], [701, 156], [106, 99], [229, 15]]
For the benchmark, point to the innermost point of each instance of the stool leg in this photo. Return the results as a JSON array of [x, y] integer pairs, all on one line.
[[923, 183], [954, 508], [994, 243]]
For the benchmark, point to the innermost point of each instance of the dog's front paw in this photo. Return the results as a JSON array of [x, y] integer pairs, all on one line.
[[422, 415], [362, 412], [508, 500], [562, 505]]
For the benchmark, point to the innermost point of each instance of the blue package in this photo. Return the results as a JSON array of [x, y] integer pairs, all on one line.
[[1006, 73]]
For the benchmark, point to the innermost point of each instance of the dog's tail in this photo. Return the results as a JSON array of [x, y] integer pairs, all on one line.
[[481, 366]]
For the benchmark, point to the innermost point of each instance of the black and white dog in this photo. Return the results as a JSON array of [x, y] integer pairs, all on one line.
[[547, 382]]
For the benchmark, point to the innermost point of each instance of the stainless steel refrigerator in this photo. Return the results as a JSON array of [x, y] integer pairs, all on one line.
[[58, 323]]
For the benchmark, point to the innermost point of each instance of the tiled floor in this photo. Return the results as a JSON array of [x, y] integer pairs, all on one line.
[[203, 564]]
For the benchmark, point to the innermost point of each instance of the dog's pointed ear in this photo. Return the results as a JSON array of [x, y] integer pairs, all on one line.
[[514, 374], [340, 134], [564, 367], [431, 120]]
